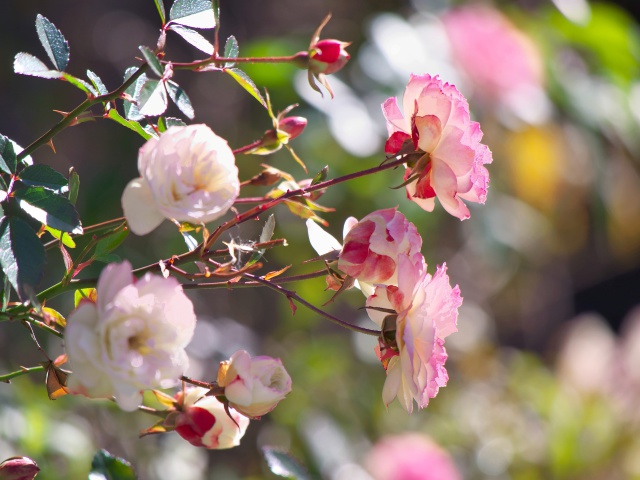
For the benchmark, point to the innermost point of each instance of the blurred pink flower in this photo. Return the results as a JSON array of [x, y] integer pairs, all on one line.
[[410, 456], [203, 421], [372, 246], [18, 468], [253, 386], [412, 340], [436, 119], [499, 60]]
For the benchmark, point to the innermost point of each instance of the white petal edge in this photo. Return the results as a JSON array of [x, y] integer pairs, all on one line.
[[139, 207]]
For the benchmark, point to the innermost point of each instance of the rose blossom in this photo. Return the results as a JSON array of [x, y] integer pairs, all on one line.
[[131, 339], [188, 175], [203, 421], [436, 119], [412, 340], [253, 386], [372, 246], [410, 456]]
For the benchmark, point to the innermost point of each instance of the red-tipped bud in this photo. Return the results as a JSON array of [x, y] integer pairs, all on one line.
[[18, 468], [328, 56], [292, 126]]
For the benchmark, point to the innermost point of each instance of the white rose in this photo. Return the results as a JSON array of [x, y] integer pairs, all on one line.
[[132, 339], [203, 421], [188, 174], [253, 386]]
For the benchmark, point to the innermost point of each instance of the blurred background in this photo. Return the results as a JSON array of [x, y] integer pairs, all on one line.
[[545, 370]]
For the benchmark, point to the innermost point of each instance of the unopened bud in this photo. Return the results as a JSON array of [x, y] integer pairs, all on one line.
[[292, 126], [328, 56], [18, 468]]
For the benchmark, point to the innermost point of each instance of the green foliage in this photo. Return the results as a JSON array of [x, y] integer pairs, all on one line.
[[49, 208], [27, 64], [193, 37], [22, 256], [97, 83], [80, 84], [105, 466], [284, 464], [74, 185], [180, 98], [53, 41], [246, 83], [161, 12], [152, 60], [152, 98], [8, 160], [130, 124], [193, 13], [231, 50], [105, 246], [44, 176]]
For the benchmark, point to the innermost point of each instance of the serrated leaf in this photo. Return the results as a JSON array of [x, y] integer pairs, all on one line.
[[194, 38], [27, 64], [246, 83], [174, 122], [131, 110], [80, 84], [152, 98], [284, 464], [97, 83], [180, 98], [53, 42], [90, 294], [152, 60], [160, 7], [22, 256], [64, 237], [44, 176], [8, 159], [48, 208], [231, 50], [105, 466], [193, 13], [74, 185], [130, 124]]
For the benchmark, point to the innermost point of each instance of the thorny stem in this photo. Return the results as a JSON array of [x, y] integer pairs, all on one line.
[[197, 383], [71, 116], [23, 371], [214, 59]]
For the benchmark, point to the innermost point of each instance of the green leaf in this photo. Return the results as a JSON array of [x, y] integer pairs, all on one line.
[[231, 50], [180, 98], [53, 42], [110, 243], [8, 160], [48, 208], [283, 464], [130, 124], [22, 256], [191, 242], [131, 110], [80, 84], [44, 176], [74, 185], [321, 176], [152, 60], [174, 122], [97, 83], [105, 466], [64, 237], [265, 236], [27, 64], [246, 83], [84, 294], [216, 12], [160, 7], [193, 13], [194, 38], [152, 98], [6, 291]]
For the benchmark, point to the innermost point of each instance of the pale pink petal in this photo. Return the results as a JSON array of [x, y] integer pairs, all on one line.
[[395, 120], [445, 183], [113, 279], [140, 207], [412, 92], [429, 132], [427, 204]]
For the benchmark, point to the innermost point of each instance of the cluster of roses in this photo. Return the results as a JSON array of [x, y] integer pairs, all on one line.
[[132, 337]]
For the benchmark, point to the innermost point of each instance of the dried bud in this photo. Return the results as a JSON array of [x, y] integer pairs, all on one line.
[[328, 56], [18, 468]]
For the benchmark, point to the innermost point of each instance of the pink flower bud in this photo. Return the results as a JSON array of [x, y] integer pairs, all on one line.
[[18, 468], [328, 56], [203, 421], [292, 126], [253, 386]]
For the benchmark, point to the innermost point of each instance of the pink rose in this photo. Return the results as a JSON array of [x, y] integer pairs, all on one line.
[[410, 456], [253, 386], [328, 56], [132, 339], [203, 421], [372, 246], [18, 468], [436, 119], [412, 340]]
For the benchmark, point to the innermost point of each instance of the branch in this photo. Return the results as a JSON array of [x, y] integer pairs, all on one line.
[[6, 378]]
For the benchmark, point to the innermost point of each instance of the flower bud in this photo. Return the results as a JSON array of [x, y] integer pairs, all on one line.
[[253, 386], [203, 421], [292, 126], [18, 468], [328, 56]]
